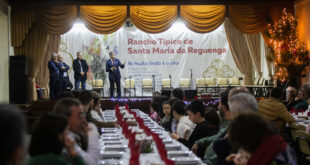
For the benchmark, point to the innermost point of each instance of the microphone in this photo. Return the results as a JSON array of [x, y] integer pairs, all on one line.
[[153, 75], [169, 76], [190, 69]]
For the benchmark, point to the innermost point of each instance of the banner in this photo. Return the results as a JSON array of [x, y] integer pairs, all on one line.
[[177, 52]]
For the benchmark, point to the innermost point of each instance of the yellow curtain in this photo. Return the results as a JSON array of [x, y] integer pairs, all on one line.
[[56, 19], [253, 42], [33, 47], [239, 51], [203, 18], [22, 19], [249, 18], [103, 19], [153, 19], [42, 77]]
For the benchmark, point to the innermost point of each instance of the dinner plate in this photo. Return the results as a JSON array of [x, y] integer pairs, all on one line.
[[110, 135], [112, 143], [111, 154], [178, 153], [173, 147], [185, 160], [111, 138], [114, 148], [108, 130], [111, 162]]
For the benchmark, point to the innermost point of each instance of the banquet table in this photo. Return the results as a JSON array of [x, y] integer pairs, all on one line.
[[114, 145]]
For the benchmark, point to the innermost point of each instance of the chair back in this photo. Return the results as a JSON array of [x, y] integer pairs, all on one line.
[[210, 81], [222, 81], [200, 82], [234, 81], [130, 83], [166, 83], [185, 82], [147, 83]]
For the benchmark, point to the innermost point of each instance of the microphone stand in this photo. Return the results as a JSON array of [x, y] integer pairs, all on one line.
[[153, 82], [129, 86], [191, 83], [170, 81]]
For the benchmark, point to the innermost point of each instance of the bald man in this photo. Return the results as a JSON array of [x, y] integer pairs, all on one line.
[[64, 76], [54, 84]]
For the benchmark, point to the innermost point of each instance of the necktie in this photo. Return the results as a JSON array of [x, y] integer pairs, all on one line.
[[112, 62]]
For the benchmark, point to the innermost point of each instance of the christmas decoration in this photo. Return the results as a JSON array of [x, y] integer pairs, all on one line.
[[289, 55]]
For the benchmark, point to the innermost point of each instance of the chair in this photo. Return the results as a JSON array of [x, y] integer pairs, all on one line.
[[185, 83], [234, 82], [223, 82], [166, 84], [303, 144], [98, 86], [129, 85], [293, 128], [211, 85], [147, 84], [200, 83], [261, 82]]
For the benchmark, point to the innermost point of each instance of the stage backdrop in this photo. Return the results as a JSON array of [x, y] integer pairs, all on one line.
[[174, 52]]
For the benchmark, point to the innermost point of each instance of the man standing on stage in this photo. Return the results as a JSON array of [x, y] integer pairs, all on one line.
[[112, 66], [53, 67], [80, 68], [64, 77]]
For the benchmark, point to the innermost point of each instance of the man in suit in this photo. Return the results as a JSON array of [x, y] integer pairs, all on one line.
[[80, 68], [64, 76], [112, 66], [53, 67]]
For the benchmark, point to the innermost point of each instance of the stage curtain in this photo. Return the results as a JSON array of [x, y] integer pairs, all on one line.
[[153, 19], [34, 46], [249, 18], [42, 77], [56, 20], [269, 63], [22, 19], [253, 42], [239, 51], [103, 19], [203, 18]]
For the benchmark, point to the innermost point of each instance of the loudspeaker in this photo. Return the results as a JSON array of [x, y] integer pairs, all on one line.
[[18, 89], [190, 94], [166, 93], [18, 65], [18, 80]]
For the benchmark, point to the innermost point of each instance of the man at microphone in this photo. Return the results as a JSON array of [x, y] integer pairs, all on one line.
[[112, 66]]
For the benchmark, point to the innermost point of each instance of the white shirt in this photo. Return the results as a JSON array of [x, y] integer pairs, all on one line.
[[92, 155], [81, 66], [185, 127], [94, 114]]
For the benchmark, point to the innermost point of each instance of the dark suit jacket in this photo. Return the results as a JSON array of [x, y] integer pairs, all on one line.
[[53, 68], [62, 71], [116, 73], [77, 69]]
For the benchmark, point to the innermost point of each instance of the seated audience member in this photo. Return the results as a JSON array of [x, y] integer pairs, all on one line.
[[49, 137], [76, 93], [96, 114], [185, 126], [65, 94], [275, 111], [167, 111], [196, 113], [292, 98], [154, 108], [219, 149], [72, 109], [252, 135], [177, 93], [226, 117], [305, 95], [171, 125], [212, 116], [159, 100], [12, 125], [86, 98]]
